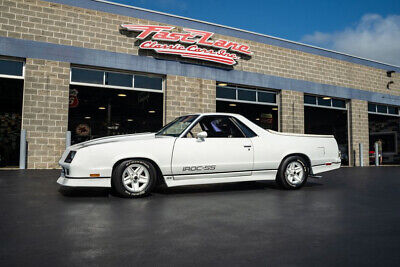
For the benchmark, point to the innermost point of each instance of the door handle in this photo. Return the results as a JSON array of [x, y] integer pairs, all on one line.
[[246, 146]]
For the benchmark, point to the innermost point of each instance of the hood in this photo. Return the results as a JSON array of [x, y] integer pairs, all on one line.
[[114, 138]]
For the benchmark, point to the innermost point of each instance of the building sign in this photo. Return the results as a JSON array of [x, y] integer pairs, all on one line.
[[191, 43]]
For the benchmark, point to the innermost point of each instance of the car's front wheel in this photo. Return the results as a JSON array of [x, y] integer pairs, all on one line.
[[292, 173], [134, 178]]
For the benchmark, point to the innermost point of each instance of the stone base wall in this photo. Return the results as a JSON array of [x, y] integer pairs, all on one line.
[[185, 95], [291, 112], [45, 111], [359, 132]]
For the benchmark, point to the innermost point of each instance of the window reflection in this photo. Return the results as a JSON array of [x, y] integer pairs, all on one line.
[[96, 112], [264, 116]]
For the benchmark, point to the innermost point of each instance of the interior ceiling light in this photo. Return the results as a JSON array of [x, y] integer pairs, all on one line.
[[222, 84], [122, 95], [129, 120], [152, 111], [102, 107], [87, 117], [232, 104], [326, 98]]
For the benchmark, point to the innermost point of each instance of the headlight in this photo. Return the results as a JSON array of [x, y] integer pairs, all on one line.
[[70, 157]]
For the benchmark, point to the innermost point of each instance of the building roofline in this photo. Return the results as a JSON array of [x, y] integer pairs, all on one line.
[[224, 30], [242, 30]]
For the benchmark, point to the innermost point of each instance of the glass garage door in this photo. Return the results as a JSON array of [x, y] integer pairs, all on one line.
[[326, 115], [257, 105], [11, 91], [384, 128], [104, 103]]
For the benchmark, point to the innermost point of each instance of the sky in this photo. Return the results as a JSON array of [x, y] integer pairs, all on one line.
[[364, 28]]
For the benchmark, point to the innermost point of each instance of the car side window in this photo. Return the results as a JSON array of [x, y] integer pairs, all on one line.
[[217, 127], [245, 129], [194, 131]]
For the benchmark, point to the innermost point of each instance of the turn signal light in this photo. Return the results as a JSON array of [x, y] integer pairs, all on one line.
[[95, 175]]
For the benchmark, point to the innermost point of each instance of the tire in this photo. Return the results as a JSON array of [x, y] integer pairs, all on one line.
[[292, 173], [134, 178]]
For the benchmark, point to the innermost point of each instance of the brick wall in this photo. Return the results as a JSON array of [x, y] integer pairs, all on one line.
[[185, 95], [61, 24], [45, 111], [291, 111], [359, 131]]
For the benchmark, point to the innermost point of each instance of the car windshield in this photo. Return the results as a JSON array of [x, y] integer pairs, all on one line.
[[177, 126]]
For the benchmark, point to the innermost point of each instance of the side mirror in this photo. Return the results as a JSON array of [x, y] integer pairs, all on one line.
[[201, 135]]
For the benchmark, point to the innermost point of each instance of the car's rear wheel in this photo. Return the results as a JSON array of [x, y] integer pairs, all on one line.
[[292, 173], [134, 178]]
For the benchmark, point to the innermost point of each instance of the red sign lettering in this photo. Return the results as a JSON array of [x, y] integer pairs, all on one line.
[[192, 37]]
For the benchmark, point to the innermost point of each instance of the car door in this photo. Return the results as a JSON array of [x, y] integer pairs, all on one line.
[[225, 152]]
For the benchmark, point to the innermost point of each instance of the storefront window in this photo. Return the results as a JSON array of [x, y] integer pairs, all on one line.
[[11, 91], [309, 99], [266, 97], [112, 79], [148, 82], [338, 103], [381, 108], [326, 115], [257, 105], [118, 79], [96, 112], [247, 95], [87, 76], [11, 67], [384, 129], [226, 93], [322, 101]]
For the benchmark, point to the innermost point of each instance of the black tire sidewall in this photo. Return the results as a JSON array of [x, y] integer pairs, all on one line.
[[117, 183], [281, 179]]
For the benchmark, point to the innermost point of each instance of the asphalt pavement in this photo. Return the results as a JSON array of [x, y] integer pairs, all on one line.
[[350, 217]]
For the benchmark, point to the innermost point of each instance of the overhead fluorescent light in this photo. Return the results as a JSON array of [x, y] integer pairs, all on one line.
[[88, 118], [102, 107], [152, 111], [129, 120], [222, 84], [122, 95], [326, 98], [232, 104], [274, 108]]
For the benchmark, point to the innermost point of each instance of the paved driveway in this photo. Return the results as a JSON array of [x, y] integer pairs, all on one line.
[[350, 217]]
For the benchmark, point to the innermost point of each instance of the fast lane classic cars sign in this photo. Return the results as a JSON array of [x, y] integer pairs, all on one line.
[[190, 43]]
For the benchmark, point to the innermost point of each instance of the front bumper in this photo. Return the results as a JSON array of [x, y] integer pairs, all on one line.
[[84, 182]]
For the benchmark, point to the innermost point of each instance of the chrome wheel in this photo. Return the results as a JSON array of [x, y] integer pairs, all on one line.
[[294, 173], [135, 177]]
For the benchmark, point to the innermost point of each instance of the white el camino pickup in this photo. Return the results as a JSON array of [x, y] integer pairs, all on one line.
[[198, 149]]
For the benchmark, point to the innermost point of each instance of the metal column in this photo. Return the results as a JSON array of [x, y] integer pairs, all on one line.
[[68, 139], [376, 154], [22, 150]]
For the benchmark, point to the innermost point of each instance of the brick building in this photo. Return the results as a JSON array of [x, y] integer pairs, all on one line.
[[72, 66]]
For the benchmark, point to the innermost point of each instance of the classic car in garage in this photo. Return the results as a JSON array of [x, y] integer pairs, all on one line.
[[198, 149]]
